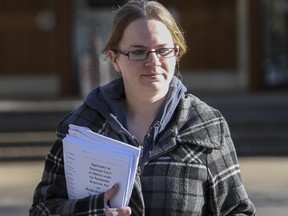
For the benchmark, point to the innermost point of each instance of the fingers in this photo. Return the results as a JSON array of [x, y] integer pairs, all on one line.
[[109, 194], [124, 211]]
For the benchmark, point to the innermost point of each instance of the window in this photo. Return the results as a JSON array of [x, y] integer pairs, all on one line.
[[275, 43]]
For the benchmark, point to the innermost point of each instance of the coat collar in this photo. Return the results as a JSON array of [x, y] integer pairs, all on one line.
[[196, 124], [208, 135], [199, 124]]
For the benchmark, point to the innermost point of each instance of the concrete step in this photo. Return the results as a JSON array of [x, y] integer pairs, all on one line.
[[25, 145], [28, 128], [258, 124], [24, 116]]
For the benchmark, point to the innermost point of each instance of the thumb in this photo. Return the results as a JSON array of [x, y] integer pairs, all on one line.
[[109, 194]]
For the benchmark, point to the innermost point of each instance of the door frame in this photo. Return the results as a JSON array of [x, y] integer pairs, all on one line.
[[238, 79]]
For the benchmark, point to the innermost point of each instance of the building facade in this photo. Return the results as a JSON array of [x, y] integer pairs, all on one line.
[[53, 48]]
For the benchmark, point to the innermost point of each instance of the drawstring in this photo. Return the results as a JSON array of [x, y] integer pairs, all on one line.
[[149, 143], [156, 130]]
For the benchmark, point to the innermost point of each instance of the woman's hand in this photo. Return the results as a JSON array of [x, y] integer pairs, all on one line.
[[109, 194]]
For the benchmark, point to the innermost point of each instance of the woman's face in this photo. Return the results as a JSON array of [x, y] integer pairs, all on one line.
[[150, 77]]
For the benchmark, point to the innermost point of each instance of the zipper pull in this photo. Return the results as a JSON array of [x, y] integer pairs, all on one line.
[[141, 151]]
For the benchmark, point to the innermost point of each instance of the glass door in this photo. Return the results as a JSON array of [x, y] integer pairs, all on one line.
[[275, 43]]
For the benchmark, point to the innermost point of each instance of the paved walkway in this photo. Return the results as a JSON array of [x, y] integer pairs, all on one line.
[[266, 181]]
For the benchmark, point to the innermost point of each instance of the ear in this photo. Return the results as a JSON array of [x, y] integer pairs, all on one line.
[[113, 58]]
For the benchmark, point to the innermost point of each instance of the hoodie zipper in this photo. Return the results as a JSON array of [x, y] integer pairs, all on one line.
[[141, 168]]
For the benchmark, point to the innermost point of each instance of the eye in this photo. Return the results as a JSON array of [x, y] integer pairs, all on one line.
[[138, 52], [164, 51]]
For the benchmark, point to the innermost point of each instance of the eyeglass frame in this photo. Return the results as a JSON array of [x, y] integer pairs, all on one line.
[[176, 50]]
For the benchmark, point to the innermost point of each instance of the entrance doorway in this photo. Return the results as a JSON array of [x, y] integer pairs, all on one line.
[[34, 41]]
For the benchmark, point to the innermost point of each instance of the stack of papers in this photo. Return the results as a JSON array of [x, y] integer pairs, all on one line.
[[93, 163]]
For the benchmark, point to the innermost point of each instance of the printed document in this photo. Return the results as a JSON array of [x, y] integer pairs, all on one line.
[[93, 163]]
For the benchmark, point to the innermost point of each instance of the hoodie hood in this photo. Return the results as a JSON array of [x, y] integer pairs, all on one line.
[[193, 122], [109, 101]]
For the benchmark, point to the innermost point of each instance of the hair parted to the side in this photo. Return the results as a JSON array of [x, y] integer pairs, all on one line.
[[137, 9]]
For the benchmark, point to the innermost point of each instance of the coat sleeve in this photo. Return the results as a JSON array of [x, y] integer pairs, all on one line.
[[227, 195], [50, 196]]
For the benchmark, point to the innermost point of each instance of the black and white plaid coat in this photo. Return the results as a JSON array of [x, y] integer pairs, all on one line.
[[192, 168]]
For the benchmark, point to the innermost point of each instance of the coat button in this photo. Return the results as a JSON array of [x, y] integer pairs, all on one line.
[[174, 134]]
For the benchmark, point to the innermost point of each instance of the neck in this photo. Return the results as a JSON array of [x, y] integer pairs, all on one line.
[[141, 114], [146, 110], [143, 106]]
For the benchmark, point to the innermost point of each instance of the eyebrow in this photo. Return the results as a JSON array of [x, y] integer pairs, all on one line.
[[143, 47], [137, 46]]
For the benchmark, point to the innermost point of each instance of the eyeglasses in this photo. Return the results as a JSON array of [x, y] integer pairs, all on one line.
[[140, 55]]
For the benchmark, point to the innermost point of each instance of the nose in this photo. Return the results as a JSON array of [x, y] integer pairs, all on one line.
[[153, 59]]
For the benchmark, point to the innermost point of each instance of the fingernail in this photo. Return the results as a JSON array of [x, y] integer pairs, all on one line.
[[108, 203]]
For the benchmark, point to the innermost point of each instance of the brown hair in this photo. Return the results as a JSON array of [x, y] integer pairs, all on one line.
[[133, 10]]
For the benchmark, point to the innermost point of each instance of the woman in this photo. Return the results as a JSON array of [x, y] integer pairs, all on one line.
[[188, 166]]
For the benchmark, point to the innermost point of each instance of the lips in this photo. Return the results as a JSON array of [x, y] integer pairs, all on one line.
[[152, 74]]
